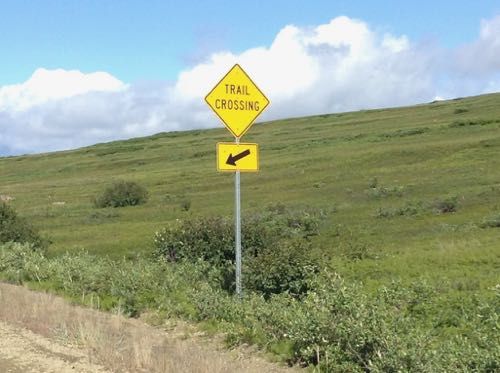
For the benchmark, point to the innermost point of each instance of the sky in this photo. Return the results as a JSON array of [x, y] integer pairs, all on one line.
[[75, 73]]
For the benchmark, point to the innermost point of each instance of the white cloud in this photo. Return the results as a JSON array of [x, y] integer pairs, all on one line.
[[482, 55], [48, 85], [339, 66]]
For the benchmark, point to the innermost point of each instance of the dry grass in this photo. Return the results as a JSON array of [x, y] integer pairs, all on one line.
[[121, 344]]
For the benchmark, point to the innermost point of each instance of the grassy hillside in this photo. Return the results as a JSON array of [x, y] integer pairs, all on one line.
[[404, 275], [405, 190]]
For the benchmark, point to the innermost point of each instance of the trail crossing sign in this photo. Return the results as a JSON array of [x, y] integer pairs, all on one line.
[[237, 101], [233, 157]]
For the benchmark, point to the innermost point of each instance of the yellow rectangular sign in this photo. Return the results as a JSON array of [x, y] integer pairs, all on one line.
[[242, 157]]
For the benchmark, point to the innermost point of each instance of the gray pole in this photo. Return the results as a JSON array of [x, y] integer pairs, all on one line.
[[238, 228]]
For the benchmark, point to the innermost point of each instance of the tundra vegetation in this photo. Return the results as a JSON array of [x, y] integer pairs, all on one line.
[[370, 239]]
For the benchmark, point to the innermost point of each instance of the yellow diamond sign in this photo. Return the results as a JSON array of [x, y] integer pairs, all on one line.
[[237, 101]]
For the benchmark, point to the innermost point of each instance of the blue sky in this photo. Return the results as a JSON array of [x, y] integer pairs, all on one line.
[[73, 73], [155, 40]]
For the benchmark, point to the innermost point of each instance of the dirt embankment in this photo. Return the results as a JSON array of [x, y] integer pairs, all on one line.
[[22, 351], [43, 333]]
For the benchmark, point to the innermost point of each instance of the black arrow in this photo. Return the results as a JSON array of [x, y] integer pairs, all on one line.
[[232, 160]]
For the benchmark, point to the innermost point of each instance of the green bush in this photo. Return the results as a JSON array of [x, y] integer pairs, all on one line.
[[185, 205], [375, 190], [405, 132], [20, 263], [276, 254], [408, 209], [122, 193], [14, 228], [491, 222], [207, 238], [471, 122], [212, 238], [285, 267], [446, 205], [384, 192], [354, 249]]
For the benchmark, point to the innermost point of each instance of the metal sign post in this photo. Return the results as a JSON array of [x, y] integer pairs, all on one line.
[[237, 214]]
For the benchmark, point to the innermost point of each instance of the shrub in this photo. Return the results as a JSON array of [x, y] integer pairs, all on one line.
[[376, 190], [383, 192], [285, 267], [373, 183], [14, 228], [471, 122], [122, 193], [354, 250], [207, 238], [185, 205], [491, 222], [212, 238], [274, 240], [405, 132], [19, 263], [446, 206], [408, 209], [460, 110]]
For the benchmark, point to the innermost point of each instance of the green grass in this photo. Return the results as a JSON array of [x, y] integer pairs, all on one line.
[[428, 153]]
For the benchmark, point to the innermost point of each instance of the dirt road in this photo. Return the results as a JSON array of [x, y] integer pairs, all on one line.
[[22, 351]]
